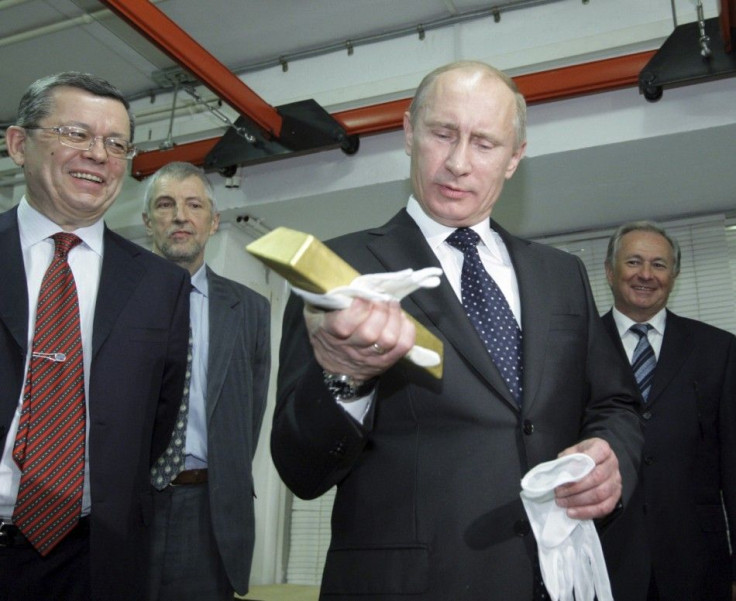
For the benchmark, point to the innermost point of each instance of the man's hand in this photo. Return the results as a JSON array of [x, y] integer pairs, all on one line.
[[597, 494], [362, 341]]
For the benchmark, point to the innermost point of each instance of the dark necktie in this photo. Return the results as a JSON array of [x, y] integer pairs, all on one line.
[[643, 361], [171, 462], [49, 445], [489, 311]]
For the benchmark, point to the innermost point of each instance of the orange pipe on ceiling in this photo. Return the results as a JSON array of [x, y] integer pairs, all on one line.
[[166, 35], [728, 23], [555, 84]]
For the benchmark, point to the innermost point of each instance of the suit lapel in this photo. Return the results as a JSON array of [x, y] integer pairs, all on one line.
[[400, 245], [531, 274], [612, 330], [118, 279], [14, 306], [224, 316], [676, 348], [610, 325]]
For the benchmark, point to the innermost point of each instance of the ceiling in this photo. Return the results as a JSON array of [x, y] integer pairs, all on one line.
[[47, 36], [39, 37]]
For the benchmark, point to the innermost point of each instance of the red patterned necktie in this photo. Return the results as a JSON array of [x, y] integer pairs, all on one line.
[[49, 446]]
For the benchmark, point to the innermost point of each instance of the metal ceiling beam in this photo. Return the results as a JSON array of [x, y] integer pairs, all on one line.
[[555, 84], [166, 35]]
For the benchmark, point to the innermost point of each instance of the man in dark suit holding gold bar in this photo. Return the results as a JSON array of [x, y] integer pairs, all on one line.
[[428, 470]]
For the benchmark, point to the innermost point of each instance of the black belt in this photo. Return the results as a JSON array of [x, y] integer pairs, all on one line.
[[11, 536], [190, 477]]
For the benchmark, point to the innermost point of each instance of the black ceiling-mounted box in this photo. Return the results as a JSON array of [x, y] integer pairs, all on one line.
[[306, 128], [679, 61]]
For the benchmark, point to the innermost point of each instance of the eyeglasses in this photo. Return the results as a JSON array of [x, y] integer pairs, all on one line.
[[81, 139]]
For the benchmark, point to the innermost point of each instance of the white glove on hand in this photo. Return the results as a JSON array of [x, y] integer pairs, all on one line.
[[570, 553], [381, 287]]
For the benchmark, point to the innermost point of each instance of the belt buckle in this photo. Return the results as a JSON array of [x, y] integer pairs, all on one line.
[[6, 537]]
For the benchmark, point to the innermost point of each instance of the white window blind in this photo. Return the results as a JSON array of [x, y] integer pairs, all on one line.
[[705, 290], [309, 539]]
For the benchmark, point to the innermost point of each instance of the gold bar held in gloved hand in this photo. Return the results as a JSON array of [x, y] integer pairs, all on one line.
[[308, 264]]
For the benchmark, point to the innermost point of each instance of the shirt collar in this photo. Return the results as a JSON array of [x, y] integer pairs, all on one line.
[[437, 233], [624, 322], [199, 281], [34, 227]]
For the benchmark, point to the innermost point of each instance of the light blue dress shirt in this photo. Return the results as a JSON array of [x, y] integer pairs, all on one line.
[[196, 441]]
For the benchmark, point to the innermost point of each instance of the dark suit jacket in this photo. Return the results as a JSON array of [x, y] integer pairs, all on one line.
[[676, 524], [136, 376], [428, 490], [237, 383]]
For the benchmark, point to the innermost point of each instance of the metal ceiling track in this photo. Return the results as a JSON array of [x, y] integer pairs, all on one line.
[[341, 128], [555, 84], [165, 34], [262, 132]]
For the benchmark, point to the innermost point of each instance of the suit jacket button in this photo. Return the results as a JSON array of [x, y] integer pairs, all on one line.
[[528, 427], [648, 460], [339, 449], [647, 415], [522, 528]]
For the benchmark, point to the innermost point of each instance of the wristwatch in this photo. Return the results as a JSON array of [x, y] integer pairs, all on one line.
[[346, 388]]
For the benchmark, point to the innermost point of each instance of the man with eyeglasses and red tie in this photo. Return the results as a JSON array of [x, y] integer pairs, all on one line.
[[93, 343]]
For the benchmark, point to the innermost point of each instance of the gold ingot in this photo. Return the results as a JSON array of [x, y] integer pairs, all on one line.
[[308, 264]]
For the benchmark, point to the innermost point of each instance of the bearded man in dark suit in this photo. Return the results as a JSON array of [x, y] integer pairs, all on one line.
[[208, 499]]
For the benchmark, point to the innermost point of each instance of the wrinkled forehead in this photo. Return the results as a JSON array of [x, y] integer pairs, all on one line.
[[646, 244], [187, 188], [69, 105], [475, 95]]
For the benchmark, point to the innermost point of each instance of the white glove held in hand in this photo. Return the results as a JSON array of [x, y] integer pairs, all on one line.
[[381, 287], [570, 553]]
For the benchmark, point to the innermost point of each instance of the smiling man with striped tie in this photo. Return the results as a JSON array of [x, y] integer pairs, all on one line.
[[674, 534], [93, 342]]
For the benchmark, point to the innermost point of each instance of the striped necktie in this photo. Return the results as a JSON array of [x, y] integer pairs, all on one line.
[[49, 445], [171, 461], [643, 361], [489, 311]]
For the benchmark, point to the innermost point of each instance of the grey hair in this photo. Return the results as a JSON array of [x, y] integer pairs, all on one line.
[[37, 102], [178, 171], [614, 242], [420, 96]]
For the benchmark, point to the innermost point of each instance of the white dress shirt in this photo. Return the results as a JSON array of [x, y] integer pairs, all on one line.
[[85, 261], [629, 339], [493, 254]]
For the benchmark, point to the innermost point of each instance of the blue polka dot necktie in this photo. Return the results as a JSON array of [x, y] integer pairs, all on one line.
[[489, 311], [643, 361]]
